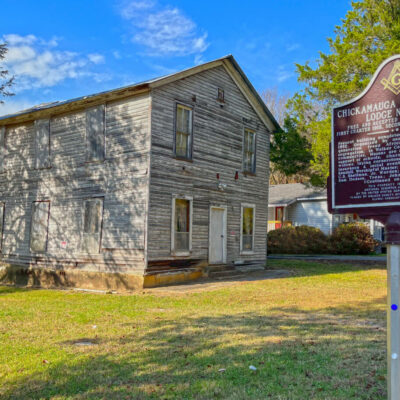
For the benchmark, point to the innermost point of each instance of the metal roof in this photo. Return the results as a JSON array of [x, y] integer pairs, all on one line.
[[286, 194], [130, 89]]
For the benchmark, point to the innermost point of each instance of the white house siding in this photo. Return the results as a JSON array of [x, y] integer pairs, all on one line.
[[312, 213]]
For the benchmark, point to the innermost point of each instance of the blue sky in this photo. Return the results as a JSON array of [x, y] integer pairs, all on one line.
[[65, 49]]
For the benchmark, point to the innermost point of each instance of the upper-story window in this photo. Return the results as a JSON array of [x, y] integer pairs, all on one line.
[[249, 151], [95, 133], [183, 132], [42, 143], [221, 95]]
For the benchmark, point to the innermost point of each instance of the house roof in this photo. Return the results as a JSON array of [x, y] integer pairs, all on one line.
[[284, 195], [46, 110]]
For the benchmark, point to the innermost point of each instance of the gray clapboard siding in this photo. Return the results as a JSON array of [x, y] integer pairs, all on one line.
[[121, 179], [139, 174], [217, 148]]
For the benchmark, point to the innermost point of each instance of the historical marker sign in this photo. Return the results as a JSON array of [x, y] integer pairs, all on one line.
[[365, 179], [365, 159]]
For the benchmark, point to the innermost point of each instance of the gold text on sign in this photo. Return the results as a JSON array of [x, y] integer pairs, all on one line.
[[393, 81]]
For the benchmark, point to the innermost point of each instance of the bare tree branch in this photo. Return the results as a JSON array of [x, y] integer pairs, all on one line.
[[5, 80]]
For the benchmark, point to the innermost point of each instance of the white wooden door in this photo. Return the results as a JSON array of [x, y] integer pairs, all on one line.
[[217, 245]]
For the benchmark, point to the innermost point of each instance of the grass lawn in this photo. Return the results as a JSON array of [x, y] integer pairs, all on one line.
[[319, 334]]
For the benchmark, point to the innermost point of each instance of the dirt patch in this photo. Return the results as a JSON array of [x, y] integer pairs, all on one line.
[[207, 284]]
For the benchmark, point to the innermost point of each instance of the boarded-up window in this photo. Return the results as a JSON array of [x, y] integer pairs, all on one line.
[[95, 135], [249, 151], [92, 225], [39, 226], [183, 132], [1, 224], [182, 225], [42, 143], [2, 147], [247, 233]]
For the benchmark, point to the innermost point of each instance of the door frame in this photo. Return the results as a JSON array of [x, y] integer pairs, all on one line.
[[224, 230]]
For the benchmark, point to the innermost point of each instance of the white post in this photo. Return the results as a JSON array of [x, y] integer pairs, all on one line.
[[393, 322]]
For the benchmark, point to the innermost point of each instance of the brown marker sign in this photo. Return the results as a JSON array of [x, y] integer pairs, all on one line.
[[365, 148]]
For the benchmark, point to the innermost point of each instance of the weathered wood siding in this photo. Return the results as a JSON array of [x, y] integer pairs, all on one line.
[[121, 180], [217, 149]]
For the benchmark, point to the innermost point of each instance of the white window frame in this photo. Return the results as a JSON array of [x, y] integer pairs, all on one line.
[[190, 140], [181, 197], [242, 206], [254, 169]]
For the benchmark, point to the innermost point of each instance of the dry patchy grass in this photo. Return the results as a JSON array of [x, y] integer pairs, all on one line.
[[319, 334]]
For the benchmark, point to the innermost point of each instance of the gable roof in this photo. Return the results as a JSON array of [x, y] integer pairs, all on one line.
[[284, 195], [48, 109]]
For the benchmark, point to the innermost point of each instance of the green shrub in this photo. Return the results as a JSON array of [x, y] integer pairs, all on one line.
[[354, 238], [298, 240]]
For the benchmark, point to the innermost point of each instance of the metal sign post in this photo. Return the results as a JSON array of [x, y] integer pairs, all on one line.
[[393, 302]]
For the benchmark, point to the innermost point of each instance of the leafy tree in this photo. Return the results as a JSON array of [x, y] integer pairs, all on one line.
[[290, 152], [368, 35], [276, 103], [5, 80]]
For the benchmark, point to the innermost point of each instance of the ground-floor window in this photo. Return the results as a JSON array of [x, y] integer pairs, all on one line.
[[247, 228], [181, 231], [39, 226], [92, 225]]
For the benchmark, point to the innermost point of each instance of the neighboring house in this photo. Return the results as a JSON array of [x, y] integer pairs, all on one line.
[[298, 204], [138, 186]]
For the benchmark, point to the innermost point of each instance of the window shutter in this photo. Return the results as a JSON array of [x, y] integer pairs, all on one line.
[[39, 226], [95, 133], [42, 143], [92, 224]]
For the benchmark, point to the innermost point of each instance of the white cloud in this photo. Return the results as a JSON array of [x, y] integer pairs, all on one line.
[[284, 73], [117, 55], [96, 58], [163, 31], [36, 64], [292, 47], [131, 9], [13, 39]]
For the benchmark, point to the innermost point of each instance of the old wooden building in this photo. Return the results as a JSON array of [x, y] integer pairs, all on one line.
[[138, 186]]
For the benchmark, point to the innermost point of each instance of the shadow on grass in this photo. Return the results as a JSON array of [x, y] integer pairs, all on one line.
[[330, 353], [12, 289]]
